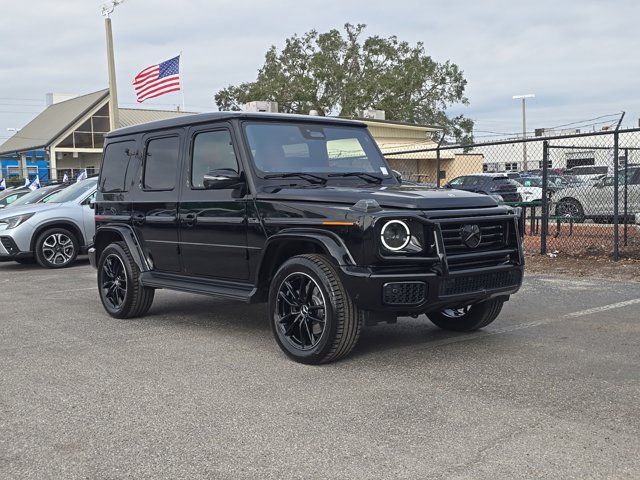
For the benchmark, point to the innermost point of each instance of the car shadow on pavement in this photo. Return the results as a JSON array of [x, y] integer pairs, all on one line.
[[246, 320], [26, 267]]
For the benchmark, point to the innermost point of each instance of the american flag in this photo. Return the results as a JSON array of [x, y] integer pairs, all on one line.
[[158, 79]]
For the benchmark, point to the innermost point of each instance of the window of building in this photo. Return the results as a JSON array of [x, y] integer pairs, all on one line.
[[211, 151], [511, 166], [91, 133], [161, 163], [549, 164]]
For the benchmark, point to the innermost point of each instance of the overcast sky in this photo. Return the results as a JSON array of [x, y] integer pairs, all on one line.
[[579, 57]]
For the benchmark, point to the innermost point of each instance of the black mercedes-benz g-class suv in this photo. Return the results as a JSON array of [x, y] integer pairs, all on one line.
[[303, 213]]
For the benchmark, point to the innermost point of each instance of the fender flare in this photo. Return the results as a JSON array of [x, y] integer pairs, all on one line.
[[330, 243], [129, 237]]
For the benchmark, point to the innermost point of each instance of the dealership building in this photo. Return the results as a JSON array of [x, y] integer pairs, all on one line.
[[68, 136]]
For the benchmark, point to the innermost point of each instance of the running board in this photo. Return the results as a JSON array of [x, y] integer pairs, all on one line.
[[230, 290]]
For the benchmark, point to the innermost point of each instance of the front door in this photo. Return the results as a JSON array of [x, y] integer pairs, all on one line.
[[213, 234], [155, 203]]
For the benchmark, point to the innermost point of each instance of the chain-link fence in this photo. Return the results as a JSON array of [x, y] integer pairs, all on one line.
[[579, 193]]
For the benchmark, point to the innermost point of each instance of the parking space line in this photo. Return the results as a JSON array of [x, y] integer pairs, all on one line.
[[604, 308], [514, 328]]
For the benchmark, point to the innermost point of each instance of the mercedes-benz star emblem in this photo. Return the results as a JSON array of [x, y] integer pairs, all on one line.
[[471, 235]]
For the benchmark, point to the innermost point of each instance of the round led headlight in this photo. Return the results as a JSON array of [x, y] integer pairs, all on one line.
[[395, 235]]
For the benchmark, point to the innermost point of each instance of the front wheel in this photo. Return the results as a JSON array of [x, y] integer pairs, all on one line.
[[312, 316], [56, 248], [469, 318], [570, 208], [119, 283]]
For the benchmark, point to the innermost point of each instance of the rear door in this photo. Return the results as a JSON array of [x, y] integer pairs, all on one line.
[[155, 203], [213, 228]]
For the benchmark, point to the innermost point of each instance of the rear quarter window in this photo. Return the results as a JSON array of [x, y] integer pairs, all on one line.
[[116, 160]]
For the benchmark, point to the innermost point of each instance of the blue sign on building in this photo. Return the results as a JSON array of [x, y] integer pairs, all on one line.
[[37, 164]]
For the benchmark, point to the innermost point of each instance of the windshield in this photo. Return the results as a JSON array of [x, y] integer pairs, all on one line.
[[33, 197], [287, 148], [531, 181], [74, 192]]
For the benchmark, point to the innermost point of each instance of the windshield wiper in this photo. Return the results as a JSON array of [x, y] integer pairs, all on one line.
[[369, 178], [315, 179]]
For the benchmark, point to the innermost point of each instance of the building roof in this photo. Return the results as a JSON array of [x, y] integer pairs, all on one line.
[[129, 117], [52, 122], [56, 119], [183, 120]]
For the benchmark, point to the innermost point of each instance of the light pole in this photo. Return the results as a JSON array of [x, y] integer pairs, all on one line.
[[106, 10], [524, 126]]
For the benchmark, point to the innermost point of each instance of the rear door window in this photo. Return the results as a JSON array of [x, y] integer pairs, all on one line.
[[114, 166], [161, 163]]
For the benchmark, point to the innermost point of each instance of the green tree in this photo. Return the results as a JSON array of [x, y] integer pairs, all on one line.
[[339, 73]]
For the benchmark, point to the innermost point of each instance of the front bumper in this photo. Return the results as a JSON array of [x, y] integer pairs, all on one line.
[[457, 289], [10, 250]]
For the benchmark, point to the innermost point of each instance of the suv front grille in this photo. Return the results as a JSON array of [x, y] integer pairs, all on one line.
[[479, 282], [492, 237], [493, 249]]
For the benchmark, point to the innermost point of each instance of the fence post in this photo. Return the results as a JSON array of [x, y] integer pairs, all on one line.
[[545, 197], [438, 166], [626, 195], [616, 206]]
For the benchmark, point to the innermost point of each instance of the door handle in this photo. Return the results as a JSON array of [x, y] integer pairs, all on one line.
[[138, 218], [189, 219]]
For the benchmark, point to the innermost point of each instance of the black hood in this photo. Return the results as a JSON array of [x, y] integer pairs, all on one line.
[[392, 196]]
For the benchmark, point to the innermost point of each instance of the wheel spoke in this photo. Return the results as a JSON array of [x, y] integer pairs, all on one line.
[[114, 281], [300, 311]]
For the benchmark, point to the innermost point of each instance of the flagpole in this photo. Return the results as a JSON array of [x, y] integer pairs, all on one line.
[[181, 81]]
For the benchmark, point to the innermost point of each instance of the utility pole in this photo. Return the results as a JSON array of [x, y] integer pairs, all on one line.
[[107, 9], [524, 127]]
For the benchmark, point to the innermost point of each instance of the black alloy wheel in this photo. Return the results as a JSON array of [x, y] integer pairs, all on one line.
[[113, 281], [300, 311], [469, 317], [312, 316], [121, 292]]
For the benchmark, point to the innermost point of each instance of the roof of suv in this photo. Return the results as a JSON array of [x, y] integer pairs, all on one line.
[[218, 116]]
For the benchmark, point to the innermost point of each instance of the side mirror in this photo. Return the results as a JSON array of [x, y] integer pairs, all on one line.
[[92, 204], [398, 175], [219, 179]]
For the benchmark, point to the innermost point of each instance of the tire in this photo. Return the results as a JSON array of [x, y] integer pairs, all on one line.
[[121, 293], [312, 316], [572, 208], [469, 318], [56, 248]]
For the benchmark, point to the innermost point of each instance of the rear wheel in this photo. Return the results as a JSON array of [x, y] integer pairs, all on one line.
[[312, 316], [469, 318], [121, 294], [56, 248]]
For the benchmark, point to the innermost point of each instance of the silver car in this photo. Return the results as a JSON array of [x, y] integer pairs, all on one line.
[[597, 201], [51, 233]]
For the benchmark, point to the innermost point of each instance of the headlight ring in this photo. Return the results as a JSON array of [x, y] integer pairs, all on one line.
[[395, 235]]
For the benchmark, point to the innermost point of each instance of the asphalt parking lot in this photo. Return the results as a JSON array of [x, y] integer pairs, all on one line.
[[199, 389]]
